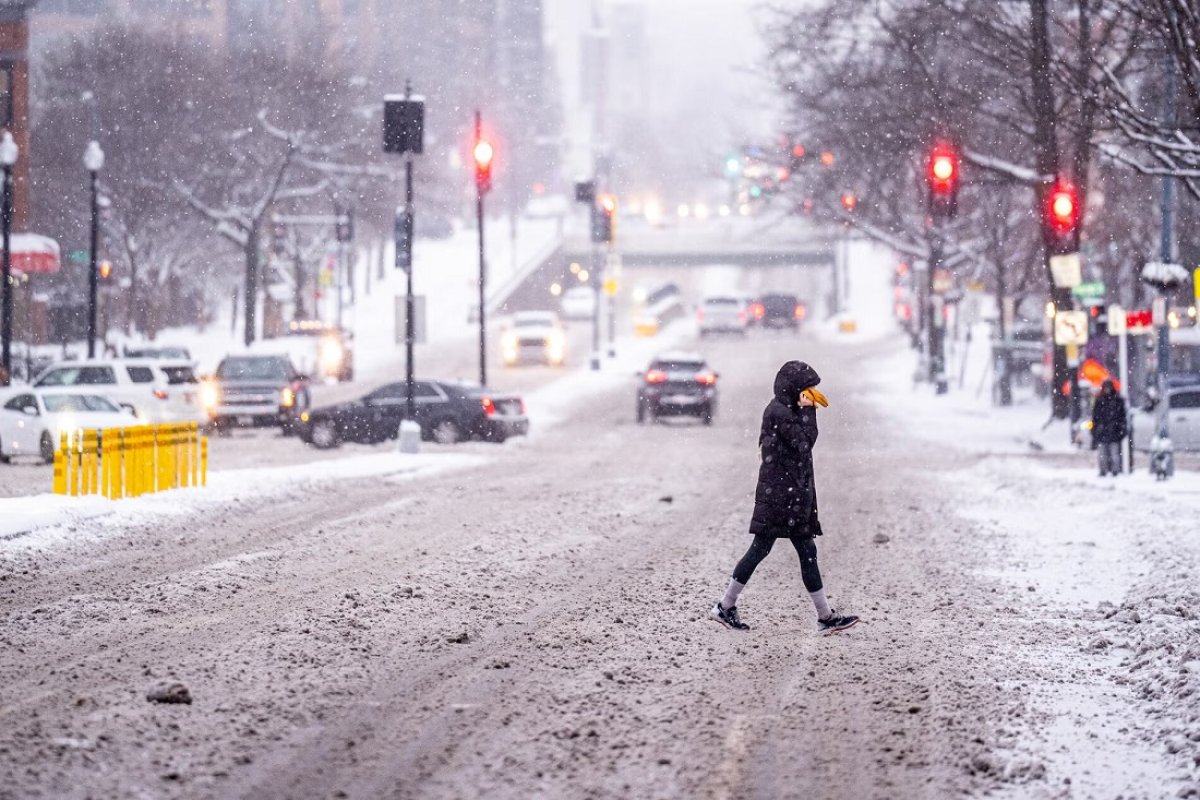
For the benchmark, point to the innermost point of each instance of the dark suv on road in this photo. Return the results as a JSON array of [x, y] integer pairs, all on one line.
[[447, 412], [253, 390], [677, 384], [777, 311]]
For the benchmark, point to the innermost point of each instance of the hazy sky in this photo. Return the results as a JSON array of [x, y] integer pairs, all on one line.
[[703, 57]]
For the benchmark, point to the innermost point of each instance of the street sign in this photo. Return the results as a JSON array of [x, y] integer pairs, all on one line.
[[1070, 328], [1138, 321], [1116, 320], [78, 256], [1089, 290], [1067, 270]]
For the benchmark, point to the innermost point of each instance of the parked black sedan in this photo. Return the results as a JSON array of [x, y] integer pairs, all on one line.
[[447, 412], [677, 384]]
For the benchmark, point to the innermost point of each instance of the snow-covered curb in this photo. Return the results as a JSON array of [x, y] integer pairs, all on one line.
[[42, 520]]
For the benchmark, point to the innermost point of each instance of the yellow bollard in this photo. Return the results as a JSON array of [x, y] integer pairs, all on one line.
[[75, 461], [60, 466], [204, 461], [91, 462]]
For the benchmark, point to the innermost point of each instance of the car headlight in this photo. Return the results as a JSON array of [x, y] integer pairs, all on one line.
[[210, 397], [287, 398], [331, 354]]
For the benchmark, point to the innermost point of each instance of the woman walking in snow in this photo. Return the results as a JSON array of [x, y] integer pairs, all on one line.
[[785, 502]]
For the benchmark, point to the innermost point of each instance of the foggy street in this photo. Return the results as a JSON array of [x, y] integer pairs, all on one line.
[[606, 400], [539, 629]]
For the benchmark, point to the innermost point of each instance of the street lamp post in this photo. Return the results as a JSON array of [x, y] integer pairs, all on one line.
[[8, 157], [93, 161]]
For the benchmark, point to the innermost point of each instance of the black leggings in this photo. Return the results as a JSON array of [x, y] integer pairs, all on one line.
[[806, 548]]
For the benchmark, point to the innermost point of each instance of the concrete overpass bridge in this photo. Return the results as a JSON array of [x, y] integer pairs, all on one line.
[[783, 254]]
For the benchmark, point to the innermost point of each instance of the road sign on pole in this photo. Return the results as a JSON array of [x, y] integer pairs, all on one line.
[[1070, 328], [1116, 320]]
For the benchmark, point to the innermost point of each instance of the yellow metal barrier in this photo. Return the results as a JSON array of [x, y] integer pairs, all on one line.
[[130, 462]]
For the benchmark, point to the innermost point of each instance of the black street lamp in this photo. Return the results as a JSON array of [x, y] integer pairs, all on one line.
[[93, 160], [8, 157]]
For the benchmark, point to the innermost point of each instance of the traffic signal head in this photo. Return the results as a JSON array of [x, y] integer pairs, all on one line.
[[942, 175], [1062, 217], [483, 154], [604, 219], [1063, 208]]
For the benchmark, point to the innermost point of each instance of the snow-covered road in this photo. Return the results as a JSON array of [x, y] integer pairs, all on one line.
[[533, 625]]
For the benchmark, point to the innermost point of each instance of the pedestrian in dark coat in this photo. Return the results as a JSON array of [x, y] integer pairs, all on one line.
[[1109, 427], [785, 501]]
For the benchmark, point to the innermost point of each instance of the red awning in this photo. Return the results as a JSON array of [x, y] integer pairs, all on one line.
[[32, 252]]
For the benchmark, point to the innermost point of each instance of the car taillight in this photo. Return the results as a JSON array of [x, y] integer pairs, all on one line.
[[656, 376], [699, 315], [489, 407], [706, 378], [742, 315], [161, 394], [522, 406], [759, 311], [799, 312]]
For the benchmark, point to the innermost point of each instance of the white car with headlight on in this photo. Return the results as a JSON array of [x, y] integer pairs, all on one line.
[[534, 337], [33, 420]]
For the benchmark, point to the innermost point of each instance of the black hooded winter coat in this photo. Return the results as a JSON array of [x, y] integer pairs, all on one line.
[[785, 502]]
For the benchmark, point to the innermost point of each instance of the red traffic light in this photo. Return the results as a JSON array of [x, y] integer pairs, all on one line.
[[483, 153], [1062, 207], [943, 170], [849, 201]]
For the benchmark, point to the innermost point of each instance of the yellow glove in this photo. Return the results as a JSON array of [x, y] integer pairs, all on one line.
[[817, 397]]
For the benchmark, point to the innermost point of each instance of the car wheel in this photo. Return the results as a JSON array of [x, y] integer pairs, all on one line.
[[707, 416], [324, 435], [3, 458], [447, 431], [641, 413], [46, 447]]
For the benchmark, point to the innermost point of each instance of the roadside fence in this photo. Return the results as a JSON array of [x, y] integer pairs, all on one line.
[[130, 462]]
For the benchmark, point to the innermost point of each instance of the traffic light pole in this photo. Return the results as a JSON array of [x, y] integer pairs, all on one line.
[[594, 278], [482, 285], [410, 330], [936, 331]]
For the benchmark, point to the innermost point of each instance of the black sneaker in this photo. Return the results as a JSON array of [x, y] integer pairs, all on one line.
[[728, 617], [836, 623]]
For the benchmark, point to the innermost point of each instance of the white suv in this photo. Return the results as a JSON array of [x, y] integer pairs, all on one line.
[[139, 384]]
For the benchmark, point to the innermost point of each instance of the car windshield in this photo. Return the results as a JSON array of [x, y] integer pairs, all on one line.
[[779, 301], [178, 375], [678, 366], [255, 369], [533, 322], [85, 403]]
